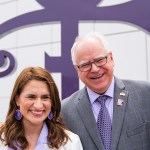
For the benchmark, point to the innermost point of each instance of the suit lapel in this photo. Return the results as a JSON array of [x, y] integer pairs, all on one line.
[[119, 108], [85, 111]]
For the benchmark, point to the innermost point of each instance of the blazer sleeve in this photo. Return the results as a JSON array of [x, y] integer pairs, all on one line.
[[2, 146]]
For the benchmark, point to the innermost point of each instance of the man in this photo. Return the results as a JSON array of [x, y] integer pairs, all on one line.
[[123, 122]]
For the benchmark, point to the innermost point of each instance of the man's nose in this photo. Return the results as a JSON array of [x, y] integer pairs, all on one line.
[[94, 67]]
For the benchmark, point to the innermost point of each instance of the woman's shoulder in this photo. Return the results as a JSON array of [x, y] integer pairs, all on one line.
[[72, 135], [2, 146], [74, 142]]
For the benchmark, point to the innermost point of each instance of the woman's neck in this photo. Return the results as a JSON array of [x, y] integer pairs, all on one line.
[[32, 133]]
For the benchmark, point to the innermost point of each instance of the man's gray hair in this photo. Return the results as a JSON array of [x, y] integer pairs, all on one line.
[[78, 39]]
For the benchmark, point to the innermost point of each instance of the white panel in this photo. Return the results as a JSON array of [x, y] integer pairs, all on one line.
[[31, 56], [7, 11], [4, 103], [106, 28], [8, 42], [129, 53], [112, 2], [148, 55], [25, 6], [54, 49], [56, 32], [113, 28], [35, 55], [39, 34], [85, 27], [34, 35], [6, 1]]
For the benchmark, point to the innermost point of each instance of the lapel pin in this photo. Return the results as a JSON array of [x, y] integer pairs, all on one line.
[[120, 102], [122, 94]]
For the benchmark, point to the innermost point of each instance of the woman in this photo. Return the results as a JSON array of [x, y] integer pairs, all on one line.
[[33, 121]]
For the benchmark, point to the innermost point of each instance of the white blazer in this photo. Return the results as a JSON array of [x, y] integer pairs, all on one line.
[[73, 144]]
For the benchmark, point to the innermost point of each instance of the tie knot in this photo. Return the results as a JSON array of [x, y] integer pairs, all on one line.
[[102, 99]]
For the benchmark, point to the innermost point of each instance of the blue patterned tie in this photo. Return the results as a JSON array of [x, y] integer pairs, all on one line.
[[104, 123]]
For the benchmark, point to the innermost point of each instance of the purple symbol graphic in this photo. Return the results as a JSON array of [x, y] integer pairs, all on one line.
[[6, 56], [69, 13]]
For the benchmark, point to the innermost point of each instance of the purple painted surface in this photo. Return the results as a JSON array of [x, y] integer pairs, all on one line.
[[5, 56], [69, 13]]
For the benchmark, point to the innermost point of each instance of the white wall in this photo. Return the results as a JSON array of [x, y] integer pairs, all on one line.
[[130, 46]]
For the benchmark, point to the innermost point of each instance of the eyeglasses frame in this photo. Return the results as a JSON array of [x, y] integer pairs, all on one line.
[[100, 58]]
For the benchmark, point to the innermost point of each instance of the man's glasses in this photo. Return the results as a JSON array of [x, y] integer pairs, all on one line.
[[98, 62]]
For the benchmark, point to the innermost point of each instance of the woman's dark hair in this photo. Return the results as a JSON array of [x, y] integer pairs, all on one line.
[[12, 132]]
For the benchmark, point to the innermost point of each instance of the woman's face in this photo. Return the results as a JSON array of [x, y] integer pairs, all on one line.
[[34, 103]]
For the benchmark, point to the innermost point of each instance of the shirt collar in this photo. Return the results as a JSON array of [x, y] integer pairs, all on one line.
[[93, 95], [42, 140]]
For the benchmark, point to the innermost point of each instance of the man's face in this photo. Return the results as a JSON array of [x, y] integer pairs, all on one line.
[[97, 79]]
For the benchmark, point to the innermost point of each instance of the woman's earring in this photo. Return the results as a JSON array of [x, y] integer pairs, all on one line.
[[50, 116], [18, 114]]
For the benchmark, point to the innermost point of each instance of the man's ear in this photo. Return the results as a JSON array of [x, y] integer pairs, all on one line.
[[111, 58], [76, 68]]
